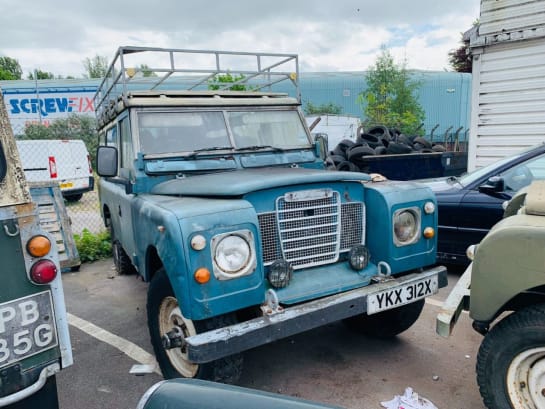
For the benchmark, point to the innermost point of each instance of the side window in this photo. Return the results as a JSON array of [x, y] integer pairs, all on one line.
[[111, 137], [524, 173], [127, 152]]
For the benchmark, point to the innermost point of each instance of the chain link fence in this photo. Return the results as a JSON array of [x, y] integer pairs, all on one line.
[[67, 161]]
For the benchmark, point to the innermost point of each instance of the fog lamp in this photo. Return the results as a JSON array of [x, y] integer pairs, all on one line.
[[280, 273], [359, 257]]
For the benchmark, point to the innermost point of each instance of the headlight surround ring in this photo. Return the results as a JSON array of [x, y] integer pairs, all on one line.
[[406, 226], [233, 254]]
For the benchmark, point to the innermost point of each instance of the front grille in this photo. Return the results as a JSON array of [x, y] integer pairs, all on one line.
[[311, 232]]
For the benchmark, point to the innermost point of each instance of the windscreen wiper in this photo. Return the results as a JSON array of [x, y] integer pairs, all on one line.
[[259, 147], [196, 152]]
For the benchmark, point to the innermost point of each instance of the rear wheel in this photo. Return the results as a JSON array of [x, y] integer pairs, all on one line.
[[164, 316], [511, 362], [122, 262], [73, 198], [388, 323]]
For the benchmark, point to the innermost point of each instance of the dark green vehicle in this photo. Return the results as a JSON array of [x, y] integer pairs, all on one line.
[[34, 339], [504, 291], [195, 393]]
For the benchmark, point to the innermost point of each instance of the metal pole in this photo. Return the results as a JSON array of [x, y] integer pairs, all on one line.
[[38, 96]]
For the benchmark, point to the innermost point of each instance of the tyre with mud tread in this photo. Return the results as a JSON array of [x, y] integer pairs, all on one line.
[[122, 262], [422, 141], [511, 361], [164, 314], [386, 324]]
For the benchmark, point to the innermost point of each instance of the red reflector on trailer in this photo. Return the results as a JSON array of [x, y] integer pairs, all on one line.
[[43, 272], [52, 167]]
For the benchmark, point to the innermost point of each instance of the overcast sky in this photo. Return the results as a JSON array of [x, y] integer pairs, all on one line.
[[332, 35]]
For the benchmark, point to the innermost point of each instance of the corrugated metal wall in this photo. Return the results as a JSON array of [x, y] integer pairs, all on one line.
[[499, 16], [508, 92], [444, 96]]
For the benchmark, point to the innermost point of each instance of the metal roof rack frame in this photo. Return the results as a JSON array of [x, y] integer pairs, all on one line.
[[159, 70]]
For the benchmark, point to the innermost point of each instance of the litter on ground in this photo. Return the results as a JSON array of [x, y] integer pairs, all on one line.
[[409, 400]]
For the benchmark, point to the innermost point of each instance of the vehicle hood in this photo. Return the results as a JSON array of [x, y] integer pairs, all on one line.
[[440, 185], [241, 182]]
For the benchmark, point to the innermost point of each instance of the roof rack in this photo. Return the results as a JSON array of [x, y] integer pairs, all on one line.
[[157, 70]]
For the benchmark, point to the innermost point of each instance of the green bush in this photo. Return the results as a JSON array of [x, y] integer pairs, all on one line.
[[92, 247]]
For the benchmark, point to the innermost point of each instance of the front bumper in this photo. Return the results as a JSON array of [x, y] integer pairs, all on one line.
[[215, 344], [457, 300]]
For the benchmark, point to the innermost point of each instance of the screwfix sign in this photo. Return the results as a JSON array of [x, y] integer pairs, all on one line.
[[44, 107]]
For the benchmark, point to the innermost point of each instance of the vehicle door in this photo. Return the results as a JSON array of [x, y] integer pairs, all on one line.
[[480, 211], [122, 224]]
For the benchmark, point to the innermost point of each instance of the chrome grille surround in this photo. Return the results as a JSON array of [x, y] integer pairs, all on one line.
[[312, 230]]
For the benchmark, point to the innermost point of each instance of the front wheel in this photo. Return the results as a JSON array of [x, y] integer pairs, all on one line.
[[511, 361], [165, 316], [386, 324]]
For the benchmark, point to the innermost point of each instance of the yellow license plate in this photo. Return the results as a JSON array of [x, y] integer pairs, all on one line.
[[67, 185]]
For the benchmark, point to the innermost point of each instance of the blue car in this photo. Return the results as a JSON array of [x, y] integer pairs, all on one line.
[[469, 205]]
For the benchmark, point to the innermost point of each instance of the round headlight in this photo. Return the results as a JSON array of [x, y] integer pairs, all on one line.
[[406, 226], [232, 254]]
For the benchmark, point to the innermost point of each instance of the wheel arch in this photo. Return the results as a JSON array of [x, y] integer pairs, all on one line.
[[153, 263], [521, 300], [532, 296], [106, 215]]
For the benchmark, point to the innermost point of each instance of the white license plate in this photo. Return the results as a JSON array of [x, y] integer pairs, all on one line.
[[27, 327], [404, 294]]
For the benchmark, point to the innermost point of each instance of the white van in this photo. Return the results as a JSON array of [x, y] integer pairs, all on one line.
[[65, 161]]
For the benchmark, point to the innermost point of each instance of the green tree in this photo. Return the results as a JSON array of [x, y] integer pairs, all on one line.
[[41, 75], [322, 109], [216, 82], [146, 71], [74, 127], [10, 69], [95, 67], [389, 98]]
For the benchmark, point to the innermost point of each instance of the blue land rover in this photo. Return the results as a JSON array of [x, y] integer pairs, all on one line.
[[215, 193]]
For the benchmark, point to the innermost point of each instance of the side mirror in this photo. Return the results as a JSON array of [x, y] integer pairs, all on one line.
[[494, 187], [321, 145], [107, 161]]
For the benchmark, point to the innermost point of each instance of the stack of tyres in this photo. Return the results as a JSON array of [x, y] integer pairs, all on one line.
[[378, 140]]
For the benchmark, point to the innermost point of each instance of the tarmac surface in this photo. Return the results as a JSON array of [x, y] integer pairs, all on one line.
[[330, 364]]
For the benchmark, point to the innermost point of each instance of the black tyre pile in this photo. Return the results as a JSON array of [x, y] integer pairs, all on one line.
[[378, 140]]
